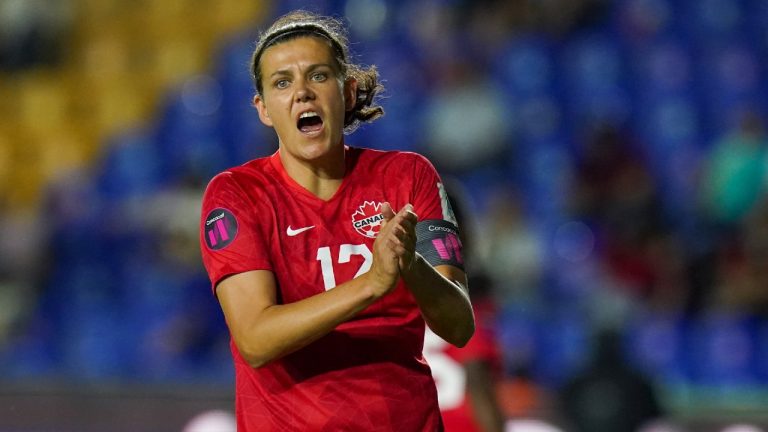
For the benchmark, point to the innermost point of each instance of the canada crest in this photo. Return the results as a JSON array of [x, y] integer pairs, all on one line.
[[367, 219]]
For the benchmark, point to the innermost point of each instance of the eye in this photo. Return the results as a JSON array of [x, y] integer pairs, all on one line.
[[281, 83], [319, 76]]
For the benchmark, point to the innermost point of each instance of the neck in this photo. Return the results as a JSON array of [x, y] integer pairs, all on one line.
[[321, 177]]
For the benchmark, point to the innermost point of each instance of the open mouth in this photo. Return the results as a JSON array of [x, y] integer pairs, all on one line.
[[309, 122]]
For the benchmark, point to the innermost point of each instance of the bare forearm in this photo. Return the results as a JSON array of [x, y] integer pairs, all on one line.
[[280, 329], [482, 397], [444, 302]]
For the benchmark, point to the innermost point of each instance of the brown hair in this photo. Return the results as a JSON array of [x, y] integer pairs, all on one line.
[[301, 24]]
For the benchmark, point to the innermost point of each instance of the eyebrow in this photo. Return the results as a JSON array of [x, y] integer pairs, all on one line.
[[309, 69]]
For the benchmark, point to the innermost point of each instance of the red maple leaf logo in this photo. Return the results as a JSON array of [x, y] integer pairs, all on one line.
[[367, 219]]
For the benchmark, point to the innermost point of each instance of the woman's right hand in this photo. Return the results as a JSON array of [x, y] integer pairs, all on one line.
[[393, 243]]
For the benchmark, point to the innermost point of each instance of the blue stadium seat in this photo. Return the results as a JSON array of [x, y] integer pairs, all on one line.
[[731, 82], [666, 111], [238, 125], [562, 347], [187, 134], [130, 167], [642, 21], [90, 324], [663, 69], [32, 355], [593, 70], [539, 119], [756, 24], [670, 123], [404, 94], [721, 350], [525, 67], [545, 165], [673, 139], [516, 334], [761, 351], [711, 20], [655, 346]]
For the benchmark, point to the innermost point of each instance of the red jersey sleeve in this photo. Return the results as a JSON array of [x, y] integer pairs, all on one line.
[[232, 239], [429, 200]]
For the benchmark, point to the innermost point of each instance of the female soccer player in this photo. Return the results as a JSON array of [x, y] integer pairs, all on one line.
[[325, 288]]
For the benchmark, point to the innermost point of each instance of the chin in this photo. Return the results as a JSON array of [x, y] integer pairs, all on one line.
[[315, 150], [320, 146]]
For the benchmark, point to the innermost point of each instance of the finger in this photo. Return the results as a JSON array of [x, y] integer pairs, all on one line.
[[410, 242], [405, 215], [402, 225], [386, 211], [398, 249], [408, 225], [409, 247], [399, 237], [411, 217], [403, 237], [407, 210], [392, 226], [402, 229]]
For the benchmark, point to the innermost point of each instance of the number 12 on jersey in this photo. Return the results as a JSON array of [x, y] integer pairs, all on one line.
[[345, 254]]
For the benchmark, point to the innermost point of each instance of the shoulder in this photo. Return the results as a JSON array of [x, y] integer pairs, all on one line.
[[252, 175], [390, 158]]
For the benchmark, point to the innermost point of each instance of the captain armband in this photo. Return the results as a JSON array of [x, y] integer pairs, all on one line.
[[438, 242]]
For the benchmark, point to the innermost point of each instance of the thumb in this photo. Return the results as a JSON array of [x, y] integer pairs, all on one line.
[[386, 211]]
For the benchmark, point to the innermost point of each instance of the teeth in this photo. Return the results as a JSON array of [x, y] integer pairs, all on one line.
[[308, 114]]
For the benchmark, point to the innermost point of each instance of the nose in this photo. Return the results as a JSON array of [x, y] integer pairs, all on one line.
[[303, 91]]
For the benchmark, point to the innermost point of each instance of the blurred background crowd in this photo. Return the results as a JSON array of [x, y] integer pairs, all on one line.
[[612, 155]]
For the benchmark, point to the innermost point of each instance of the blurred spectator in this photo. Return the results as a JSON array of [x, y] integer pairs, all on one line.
[[432, 26], [640, 20], [33, 32], [21, 260], [520, 396], [742, 275], [491, 22], [734, 177], [212, 421], [670, 283], [530, 425], [465, 119], [560, 17], [613, 184], [616, 192], [609, 395], [511, 250], [733, 186], [661, 426], [742, 428]]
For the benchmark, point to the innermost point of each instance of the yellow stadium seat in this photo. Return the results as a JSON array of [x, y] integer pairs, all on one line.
[[121, 55], [42, 101]]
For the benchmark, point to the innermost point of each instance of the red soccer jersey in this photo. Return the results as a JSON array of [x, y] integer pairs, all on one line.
[[369, 373], [447, 363]]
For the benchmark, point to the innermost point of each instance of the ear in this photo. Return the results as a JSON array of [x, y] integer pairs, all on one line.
[[258, 102], [350, 94]]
